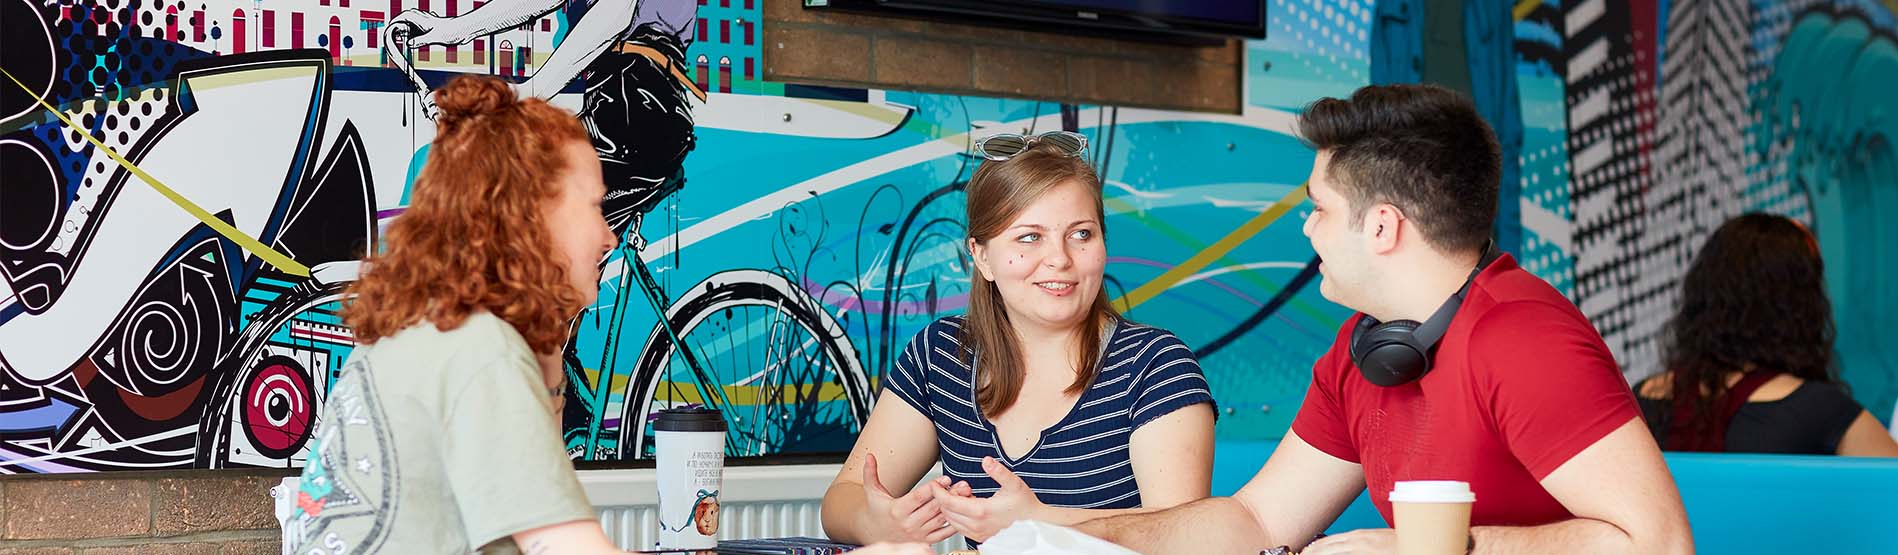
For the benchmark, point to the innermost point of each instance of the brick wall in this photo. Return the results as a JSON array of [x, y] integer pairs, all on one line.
[[194, 513], [845, 49]]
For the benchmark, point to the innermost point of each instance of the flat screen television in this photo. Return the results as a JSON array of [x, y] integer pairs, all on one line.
[[1187, 20]]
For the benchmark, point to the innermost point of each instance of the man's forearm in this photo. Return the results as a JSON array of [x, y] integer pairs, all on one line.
[[1215, 525], [1579, 535], [1069, 516]]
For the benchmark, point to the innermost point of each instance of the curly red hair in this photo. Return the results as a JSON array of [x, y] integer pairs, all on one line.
[[474, 236]]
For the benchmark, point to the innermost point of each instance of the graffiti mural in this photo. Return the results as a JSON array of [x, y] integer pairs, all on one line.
[[1683, 114], [189, 186], [200, 179]]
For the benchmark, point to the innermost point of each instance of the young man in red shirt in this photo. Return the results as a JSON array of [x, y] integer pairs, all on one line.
[[1481, 373]]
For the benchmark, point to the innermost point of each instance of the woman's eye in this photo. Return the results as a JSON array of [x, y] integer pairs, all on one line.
[[1082, 234], [1028, 238]]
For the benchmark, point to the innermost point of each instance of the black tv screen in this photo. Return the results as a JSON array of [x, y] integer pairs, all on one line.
[[1228, 12], [1138, 18]]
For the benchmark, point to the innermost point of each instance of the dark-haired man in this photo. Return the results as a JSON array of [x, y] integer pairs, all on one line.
[[1480, 372]]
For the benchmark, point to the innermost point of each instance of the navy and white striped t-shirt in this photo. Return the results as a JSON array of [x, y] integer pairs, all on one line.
[[1083, 460]]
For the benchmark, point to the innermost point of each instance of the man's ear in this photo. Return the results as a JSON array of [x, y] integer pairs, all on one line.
[[1386, 225]]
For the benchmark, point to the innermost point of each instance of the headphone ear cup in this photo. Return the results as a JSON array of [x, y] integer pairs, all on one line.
[[1388, 355], [1357, 346]]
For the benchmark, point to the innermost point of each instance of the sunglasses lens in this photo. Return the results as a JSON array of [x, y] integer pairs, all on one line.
[[1068, 143], [1002, 146]]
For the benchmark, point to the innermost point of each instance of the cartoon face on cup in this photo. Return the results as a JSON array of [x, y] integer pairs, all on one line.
[[705, 515]]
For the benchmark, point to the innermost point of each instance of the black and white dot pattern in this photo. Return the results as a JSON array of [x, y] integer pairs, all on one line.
[[120, 125], [1611, 118], [1653, 176]]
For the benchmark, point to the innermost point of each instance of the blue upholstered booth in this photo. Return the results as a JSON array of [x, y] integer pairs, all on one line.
[[1735, 503]]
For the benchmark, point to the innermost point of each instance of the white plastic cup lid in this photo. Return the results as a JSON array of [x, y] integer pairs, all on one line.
[[1432, 491]]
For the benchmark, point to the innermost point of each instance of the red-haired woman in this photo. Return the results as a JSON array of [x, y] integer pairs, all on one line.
[[440, 435]]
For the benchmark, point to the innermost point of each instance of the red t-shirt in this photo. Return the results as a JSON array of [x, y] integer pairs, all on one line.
[[1521, 383]]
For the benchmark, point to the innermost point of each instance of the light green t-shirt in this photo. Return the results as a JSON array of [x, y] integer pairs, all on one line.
[[436, 442]]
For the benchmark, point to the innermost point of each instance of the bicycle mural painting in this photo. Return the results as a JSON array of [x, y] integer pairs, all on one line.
[[780, 242], [752, 344], [249, 312]]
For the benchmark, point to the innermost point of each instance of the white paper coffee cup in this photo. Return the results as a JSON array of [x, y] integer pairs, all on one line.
[[1432, 517]]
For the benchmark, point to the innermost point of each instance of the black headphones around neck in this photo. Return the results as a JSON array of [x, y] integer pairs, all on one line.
[[1398, 352]]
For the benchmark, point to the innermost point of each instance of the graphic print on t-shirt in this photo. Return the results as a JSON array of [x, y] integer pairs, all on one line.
[[1398, 445], [346, 497]]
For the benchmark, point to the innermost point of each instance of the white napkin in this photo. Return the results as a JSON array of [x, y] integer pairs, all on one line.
[[1033, 537]]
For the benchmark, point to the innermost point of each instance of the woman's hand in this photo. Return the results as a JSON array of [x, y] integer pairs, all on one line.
[[978, 518], [914, 517]]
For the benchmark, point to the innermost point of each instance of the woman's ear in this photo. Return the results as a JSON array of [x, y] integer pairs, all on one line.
[[979, 253]]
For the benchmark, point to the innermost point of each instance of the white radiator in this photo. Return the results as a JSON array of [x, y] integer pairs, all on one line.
[[754, 502]]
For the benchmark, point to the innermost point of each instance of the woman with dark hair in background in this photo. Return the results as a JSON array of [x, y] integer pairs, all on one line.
[[1749, 354]]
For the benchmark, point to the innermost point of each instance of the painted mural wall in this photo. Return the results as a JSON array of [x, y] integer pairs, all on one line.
[[178, 230]]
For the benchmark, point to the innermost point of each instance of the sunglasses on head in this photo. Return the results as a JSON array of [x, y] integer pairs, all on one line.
[[1008, 145]]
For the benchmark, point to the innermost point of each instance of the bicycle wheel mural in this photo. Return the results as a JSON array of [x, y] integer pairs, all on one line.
[[780, 242]]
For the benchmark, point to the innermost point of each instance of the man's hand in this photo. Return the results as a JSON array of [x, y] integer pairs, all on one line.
[[1356, 542], [893, 549]]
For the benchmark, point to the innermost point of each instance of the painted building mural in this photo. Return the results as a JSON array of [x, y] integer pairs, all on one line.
[[177, 231]]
